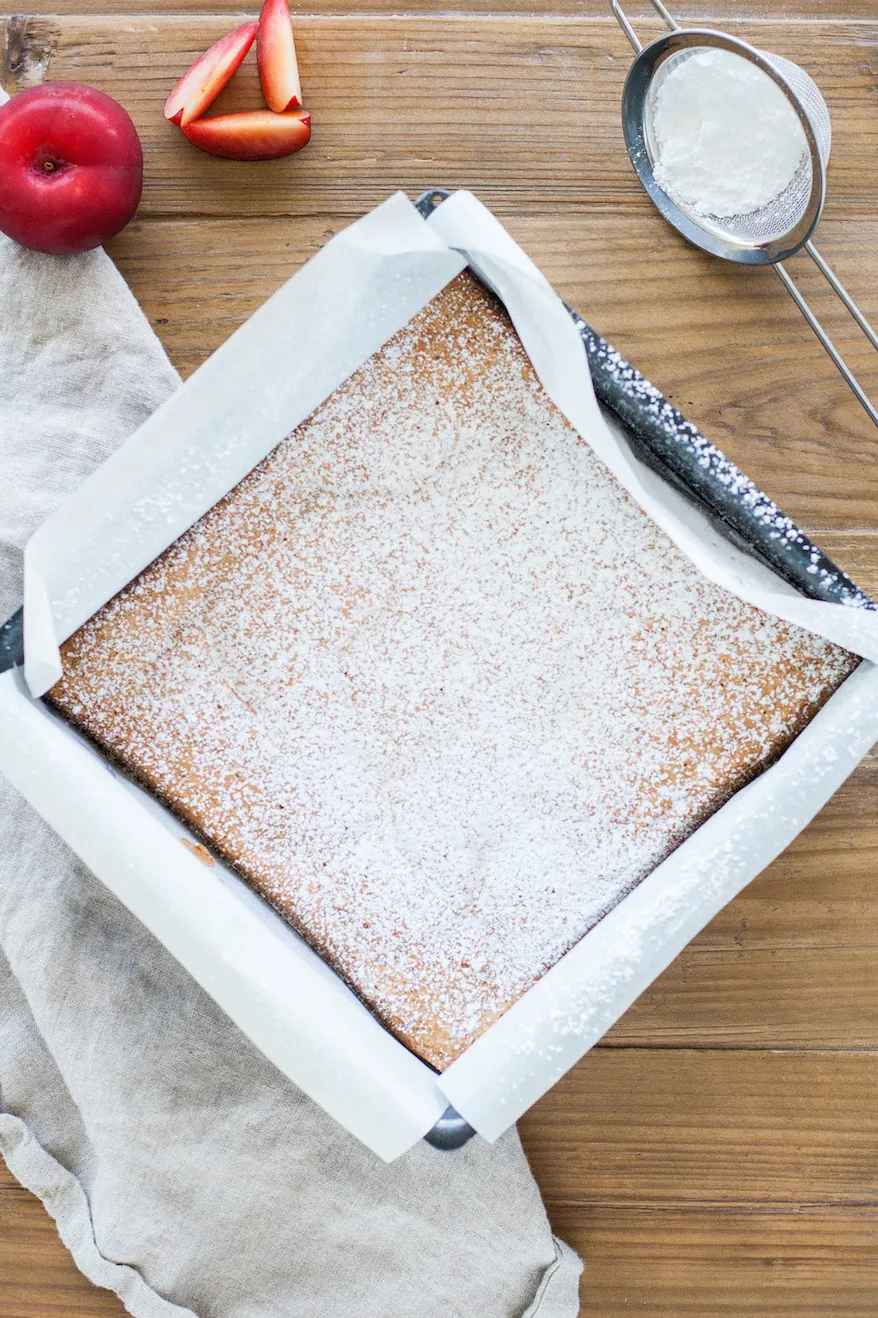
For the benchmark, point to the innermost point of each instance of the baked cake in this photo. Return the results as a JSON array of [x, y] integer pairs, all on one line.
[[431, 681]]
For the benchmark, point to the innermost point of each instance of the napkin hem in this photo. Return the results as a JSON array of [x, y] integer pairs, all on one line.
[[558, 1292], [65, 1200]]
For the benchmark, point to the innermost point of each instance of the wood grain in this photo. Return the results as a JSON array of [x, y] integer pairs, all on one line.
[[753, 13], [820, 894], [657, 1262], [525, 108], [672, 1263], [716, 1154], [654, 1127], [37, 1275], [806, 998]]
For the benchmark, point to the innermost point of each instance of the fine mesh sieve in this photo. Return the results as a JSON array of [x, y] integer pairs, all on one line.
[[776, 230], [779, 216]]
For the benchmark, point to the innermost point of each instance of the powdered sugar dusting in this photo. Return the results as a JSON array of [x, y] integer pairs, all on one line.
[[749, 510], [434, 682]]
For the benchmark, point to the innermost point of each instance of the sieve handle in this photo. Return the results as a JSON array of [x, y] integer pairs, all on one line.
[[818, 329], [625, 23], [838, 287]]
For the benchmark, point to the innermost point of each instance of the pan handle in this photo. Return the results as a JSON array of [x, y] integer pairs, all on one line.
[[450, 1132]]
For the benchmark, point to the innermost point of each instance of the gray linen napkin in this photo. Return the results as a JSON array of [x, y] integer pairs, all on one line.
[[184, 1172]]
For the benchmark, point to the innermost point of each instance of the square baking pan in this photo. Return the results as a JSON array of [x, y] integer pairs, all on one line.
[[671, 446]]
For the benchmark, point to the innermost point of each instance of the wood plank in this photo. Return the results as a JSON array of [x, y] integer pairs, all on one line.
[[672, 1263], [805, 1263], [732, 1148], [808, 998], [524, 108], [712, 12], [37, 1275], [729, 348], [856, 550], [653, 1127], [820, 894]]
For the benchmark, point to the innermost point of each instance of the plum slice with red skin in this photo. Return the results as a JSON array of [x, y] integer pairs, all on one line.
[[276, 57], [201, 85], [251, 134]]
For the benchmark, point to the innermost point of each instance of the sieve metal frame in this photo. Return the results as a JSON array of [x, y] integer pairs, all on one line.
[[711, 238], [771, 252]]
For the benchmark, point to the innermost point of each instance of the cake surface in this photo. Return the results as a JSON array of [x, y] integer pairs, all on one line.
[[434, 684]]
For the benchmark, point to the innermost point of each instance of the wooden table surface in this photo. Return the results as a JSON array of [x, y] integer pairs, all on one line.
[[717, 1155]]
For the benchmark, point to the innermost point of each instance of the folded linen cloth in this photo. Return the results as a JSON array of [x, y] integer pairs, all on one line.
[[184, 1172]]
